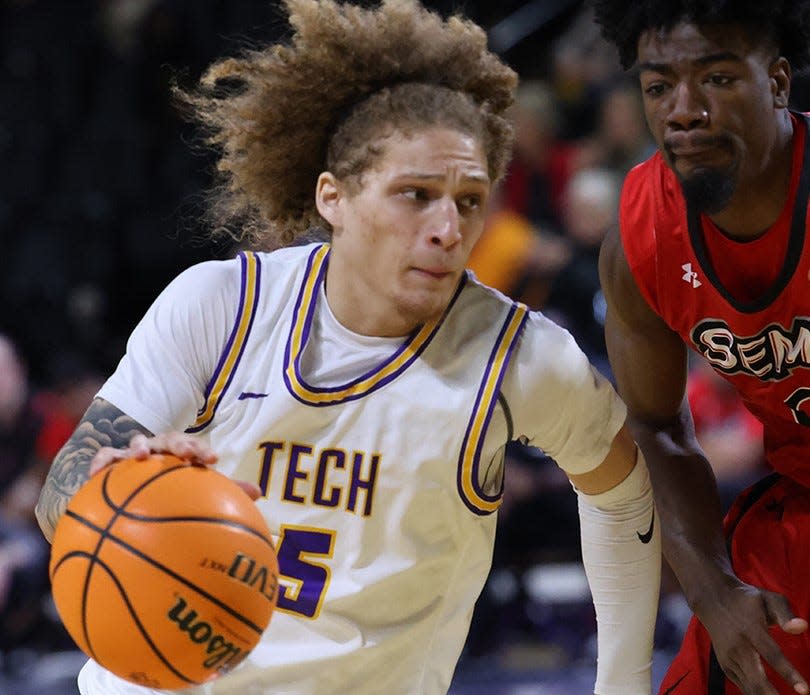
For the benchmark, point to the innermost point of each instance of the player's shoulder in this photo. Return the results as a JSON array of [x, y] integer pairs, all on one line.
[[651, 186], [547, 360], [643, 182], [244, 267], [544, 337], [205, 277], [485, 302], [482, 305], [651, 204], [287, 256], [475, 291]]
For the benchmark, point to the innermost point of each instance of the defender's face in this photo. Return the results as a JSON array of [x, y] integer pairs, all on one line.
[[710, 98], [401, 242]]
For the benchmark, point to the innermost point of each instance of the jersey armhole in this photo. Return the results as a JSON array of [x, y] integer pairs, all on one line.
[[638, 220], [250, 282]]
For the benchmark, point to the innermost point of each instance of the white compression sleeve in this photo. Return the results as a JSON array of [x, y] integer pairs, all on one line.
[[621, 551]]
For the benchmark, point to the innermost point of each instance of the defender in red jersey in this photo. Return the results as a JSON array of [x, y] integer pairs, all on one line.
[[712, 255]]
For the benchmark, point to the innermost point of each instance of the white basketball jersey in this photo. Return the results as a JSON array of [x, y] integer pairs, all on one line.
[[379, 462]]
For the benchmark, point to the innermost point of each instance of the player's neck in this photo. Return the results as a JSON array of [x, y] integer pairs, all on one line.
[[361, 310]]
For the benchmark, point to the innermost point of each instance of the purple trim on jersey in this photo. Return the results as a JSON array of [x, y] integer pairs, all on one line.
[[341, 387], [227, 349], [312, 304], [298, 300], [488, 417]]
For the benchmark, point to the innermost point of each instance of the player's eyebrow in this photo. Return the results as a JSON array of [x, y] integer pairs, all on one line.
[[666, 68], [417, 176]]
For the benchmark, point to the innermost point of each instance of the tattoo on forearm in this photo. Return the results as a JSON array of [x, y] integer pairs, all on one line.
[[102, 425]]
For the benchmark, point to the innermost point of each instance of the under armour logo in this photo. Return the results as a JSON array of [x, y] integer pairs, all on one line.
[[690, 275]]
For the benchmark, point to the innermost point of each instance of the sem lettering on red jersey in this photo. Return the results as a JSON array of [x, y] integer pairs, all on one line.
[[770, 355]]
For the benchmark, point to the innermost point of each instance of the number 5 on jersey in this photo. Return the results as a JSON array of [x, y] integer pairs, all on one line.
[[303, 579]]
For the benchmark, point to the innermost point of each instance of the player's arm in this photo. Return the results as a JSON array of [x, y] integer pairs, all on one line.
[[649, 362], [563, 405], [621, 553], [102, 425], [105, 435], [618, 464]]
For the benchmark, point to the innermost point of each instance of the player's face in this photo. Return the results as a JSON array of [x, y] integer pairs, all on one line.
[[710, 98], [401, 242]]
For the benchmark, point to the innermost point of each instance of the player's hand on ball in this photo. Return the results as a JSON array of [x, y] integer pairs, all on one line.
[[178, 444]]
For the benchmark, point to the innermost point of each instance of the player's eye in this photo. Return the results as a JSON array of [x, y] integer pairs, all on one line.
[[416, 194], [470, 202], [655, 89], [720, 80]]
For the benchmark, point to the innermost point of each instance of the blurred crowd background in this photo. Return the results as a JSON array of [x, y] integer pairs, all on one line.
[[101, 190]]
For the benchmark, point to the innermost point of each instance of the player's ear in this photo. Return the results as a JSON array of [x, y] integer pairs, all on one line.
[[780, 75], [328, 193]]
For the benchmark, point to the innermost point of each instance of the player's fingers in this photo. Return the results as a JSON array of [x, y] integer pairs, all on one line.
[[748, 674], [192, 449], [253, 491], [795, 626], [780, 613], [770, 651], [183, 446], [104, 457], [777, 608], [139, 447]]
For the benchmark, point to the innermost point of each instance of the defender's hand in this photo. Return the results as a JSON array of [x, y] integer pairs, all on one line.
[[738, 620]]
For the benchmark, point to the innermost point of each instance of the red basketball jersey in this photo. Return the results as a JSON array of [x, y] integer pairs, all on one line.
[[761, 345]]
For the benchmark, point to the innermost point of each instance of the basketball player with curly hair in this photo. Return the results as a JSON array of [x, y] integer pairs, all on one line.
[[712, 254], [364, 388]]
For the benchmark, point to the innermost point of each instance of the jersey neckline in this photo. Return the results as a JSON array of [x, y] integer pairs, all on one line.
[[794, 248], [300, 329]]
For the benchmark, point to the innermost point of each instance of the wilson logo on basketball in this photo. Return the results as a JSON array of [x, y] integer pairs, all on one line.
[[246, 570], [224, 655]]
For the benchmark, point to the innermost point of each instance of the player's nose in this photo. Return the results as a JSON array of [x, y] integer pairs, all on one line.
[[687, 110], [445, 225]]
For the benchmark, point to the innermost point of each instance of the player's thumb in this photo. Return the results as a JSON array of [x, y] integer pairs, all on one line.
[[779, 613]]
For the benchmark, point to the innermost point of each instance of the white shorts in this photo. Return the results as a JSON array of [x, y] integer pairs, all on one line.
[[95, 680]]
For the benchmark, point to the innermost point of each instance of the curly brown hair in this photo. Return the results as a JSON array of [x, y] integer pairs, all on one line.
[[348, 77]]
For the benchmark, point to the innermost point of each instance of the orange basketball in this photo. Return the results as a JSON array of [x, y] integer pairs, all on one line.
[[164, 573]]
